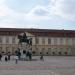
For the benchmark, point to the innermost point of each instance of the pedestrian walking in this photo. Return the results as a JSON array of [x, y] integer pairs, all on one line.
[[30, 54], [6, 58], [0, 57], [16, 59], [41, 57]]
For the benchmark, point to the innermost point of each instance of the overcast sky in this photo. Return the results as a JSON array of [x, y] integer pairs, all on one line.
[[49, 14]]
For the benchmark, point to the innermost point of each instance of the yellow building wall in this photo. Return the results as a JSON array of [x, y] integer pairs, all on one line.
[[47, 49]]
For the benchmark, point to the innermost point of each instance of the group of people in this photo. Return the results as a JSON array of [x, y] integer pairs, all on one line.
[[18, 55], [28, 53], [6, 56]]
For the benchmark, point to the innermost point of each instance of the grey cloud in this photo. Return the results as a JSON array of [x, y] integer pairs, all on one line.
[[40, 11]]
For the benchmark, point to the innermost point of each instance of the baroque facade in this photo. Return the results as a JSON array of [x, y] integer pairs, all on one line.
[[47, 41]]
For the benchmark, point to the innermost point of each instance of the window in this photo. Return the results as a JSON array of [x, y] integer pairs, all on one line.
[[7, 49], [61, 41], [36, 40], [13, 50], [7, 39], [73, 41], [0, 49], [43, 40], [59, 53], [46, 52], [42, 50], [65, 53], [33, 52], [13, 39], [55, 41], [0, 39], [67, 41], [53, 53], [49, 49], [49, 40]]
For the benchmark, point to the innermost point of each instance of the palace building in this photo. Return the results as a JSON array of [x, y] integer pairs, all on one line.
[[46, 41]]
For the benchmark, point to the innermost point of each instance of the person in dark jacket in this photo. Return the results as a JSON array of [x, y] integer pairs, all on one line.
[[0, 57], [6, 58], [41, 57]]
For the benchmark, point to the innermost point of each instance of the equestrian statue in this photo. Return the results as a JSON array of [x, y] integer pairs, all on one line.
[[23, 38]]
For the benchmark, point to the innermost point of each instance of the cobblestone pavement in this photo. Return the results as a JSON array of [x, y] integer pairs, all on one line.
[[52, 65]]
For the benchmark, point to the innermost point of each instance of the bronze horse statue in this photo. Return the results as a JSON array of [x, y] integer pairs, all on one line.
[[23, 38]]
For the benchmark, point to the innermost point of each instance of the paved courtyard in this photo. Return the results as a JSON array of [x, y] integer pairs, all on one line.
[[52, 65]]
